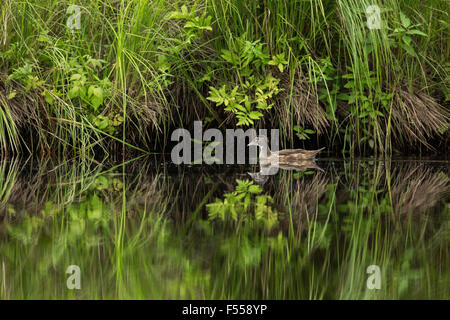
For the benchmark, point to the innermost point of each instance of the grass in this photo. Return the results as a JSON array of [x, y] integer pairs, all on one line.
[[162, 242], [137, 69]]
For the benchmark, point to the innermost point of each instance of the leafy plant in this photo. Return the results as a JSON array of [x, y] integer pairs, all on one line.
[[193, 28], [325, 77], [194, 24], [254, 91], [244, 204], [402, 34], [84, 83], [279, 61], [303, 134], [26, 76], [366, 105], [109, 124]]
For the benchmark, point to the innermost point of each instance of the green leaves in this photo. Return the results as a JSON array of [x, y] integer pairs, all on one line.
[[417, 32], [255, 115], [183, 14], [221, 96], [407, 47], [85, 85], [367, 103], [303, 134], [50, 95], [77, 88], [245, 56], [194, 25], [94, 63], [239, 100], [22, 72], [402, 35], [199, 23], [108, 124], [230, 57], [247, 186], [244, 204], [279, 61], [26, 76], [406, 22], [254, 91], [243, 99], [76, 91], [95, 95], [11, 94]]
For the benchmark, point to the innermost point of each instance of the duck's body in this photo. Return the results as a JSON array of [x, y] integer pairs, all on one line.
[[286, 156]]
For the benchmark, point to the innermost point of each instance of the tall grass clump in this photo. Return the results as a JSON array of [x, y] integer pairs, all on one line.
[[80, 81]]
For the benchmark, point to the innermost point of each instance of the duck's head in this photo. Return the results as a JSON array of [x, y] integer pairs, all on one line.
[[260, 141]]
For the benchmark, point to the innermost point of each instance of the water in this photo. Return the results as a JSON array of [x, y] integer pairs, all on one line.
[[150, 230]]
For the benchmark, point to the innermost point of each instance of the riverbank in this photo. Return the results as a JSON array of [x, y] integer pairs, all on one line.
[[122, 75]]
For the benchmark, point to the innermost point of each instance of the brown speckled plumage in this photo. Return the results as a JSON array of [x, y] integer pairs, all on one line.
[[286, 156]]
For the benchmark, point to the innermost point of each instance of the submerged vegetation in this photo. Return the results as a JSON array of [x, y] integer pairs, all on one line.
[[193, 233], [134, 70]]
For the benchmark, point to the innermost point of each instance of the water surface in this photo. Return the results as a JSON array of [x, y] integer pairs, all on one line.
[[152, 230]]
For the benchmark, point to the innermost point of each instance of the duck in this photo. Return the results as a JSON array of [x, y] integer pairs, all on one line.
[[286, 156]]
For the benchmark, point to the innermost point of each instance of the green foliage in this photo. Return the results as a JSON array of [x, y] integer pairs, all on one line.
[[84, 83], [255, 90], [26, 76], [194, 25], [109, 124], [141, 59], [366, 106], [324, 75], [245, 204], [106, 182], [246, 100], [278, 61], [143, 234], [402, 35], [193, 28], [303, 134]]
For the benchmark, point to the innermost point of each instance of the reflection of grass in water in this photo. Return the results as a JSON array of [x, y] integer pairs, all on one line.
[[334, 226]]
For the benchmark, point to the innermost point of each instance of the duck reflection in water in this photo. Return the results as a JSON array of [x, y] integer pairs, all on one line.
[[265, 171]]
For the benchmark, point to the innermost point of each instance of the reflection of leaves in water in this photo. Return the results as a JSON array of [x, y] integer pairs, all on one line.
[[299, 174], [334, 228], [406, 274], [246, 204], [24, 231], [106, 182], [242, 250]]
